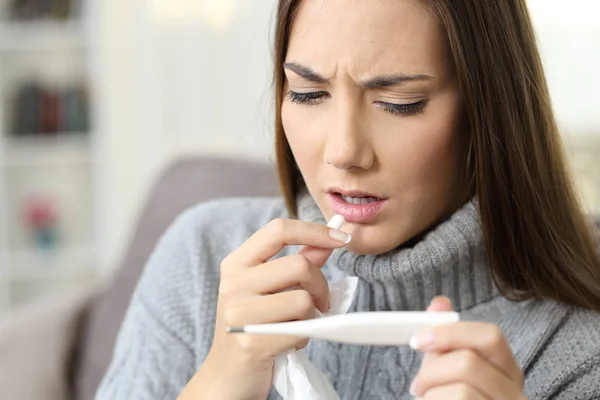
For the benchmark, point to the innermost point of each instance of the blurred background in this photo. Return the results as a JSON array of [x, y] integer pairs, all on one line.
[[98, 97]]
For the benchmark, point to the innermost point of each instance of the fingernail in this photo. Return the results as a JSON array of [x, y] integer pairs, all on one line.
[[412, 389], [421, 340], [340, 236], [440, 298]]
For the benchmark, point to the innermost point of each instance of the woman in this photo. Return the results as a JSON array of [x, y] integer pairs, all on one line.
[[428, 125]]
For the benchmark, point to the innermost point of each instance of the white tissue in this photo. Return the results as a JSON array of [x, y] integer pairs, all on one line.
[[295, 377]]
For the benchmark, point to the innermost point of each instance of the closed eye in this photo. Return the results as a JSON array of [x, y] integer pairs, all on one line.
[[306, 98], [311, 98], [403, 109]]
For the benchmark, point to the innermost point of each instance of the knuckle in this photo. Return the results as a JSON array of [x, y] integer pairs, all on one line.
[[232, 314], [227, 286], [304, 302], [302, 267], [468, 363], [301, 343], [463, 392], [278, 226], [246, 345], [224, 267], [496, 337]]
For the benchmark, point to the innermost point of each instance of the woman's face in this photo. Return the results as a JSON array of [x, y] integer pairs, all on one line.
[[372, 115]]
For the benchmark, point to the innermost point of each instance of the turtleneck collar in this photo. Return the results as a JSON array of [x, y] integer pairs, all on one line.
[[449, 260]]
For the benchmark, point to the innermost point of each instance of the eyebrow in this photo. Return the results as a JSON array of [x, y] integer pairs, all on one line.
[[305, 72], [382, 82], [379, 82]]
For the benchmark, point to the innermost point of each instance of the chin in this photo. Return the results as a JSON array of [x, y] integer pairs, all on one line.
[[371, 248], [368, 243], [379, 239], [360, 248]]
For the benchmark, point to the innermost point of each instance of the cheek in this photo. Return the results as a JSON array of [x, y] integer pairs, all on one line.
[[428, 152], [441, 156], [436, 151], [301, 135]]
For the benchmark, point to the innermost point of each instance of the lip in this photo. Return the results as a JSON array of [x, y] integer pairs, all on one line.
[[356, 213], [353, 193]]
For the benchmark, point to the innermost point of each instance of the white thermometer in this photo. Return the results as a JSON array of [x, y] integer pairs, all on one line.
[[383, 328]]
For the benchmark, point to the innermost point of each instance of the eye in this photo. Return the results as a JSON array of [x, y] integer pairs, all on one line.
[[403, 109], [306, 98]]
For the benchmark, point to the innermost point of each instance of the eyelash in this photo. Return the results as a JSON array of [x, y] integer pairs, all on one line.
[[312, 98], [403, 109], [305, 98]]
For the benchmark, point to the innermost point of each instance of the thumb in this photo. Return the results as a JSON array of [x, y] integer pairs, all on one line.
[[440, 304]]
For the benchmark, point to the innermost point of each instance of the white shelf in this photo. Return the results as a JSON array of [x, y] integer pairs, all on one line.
[[42, 35], [66, 263], [69, 149], [56, 54]]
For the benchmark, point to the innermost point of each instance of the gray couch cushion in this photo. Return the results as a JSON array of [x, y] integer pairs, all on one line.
[[36, 346], [184, 184]]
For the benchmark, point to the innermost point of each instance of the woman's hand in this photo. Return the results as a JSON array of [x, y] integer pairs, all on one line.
[[254, 290], [467, 361]]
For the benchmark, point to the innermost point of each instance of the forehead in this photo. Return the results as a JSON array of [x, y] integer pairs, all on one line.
[[366, 36]]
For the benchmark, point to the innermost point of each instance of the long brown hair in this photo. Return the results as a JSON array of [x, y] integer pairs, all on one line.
[[538, 241]]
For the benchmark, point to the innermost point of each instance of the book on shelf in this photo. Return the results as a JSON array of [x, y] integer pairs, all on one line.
[[38, 110], [33, 10]]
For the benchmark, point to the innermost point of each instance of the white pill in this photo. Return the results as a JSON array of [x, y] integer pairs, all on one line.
[[336, 222]]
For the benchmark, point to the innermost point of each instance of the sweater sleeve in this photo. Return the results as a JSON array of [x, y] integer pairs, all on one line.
[[169, 326], [155, 355]]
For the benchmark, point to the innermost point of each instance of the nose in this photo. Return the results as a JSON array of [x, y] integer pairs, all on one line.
[[348, 145]]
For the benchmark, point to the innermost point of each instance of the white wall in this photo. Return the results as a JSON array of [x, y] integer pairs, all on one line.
[[192, 76], [569, 39], [174, 82]]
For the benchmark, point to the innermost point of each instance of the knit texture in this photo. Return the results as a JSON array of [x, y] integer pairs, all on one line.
[[169, 326]]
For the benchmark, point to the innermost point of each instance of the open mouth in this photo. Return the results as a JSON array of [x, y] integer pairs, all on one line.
[[355, 196], [358, 199], [359, 207]]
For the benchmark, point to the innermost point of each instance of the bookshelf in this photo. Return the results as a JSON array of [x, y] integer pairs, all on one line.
[[47, 150], [41, 36]]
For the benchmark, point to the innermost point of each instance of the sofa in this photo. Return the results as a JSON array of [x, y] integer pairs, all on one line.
[[60, 348]]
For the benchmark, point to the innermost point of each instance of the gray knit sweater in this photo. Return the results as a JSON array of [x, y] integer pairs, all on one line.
[[169, 326]]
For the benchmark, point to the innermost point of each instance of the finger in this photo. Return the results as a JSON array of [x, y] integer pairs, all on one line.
[[429, 356], [440, 304], [279, 274], [485, 339], [265, 347], [453, 391], [277, 234], [279, 307], [316, 255], [466, 367]]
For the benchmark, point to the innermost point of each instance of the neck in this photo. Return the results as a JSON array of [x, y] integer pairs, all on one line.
[[449, 261]]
